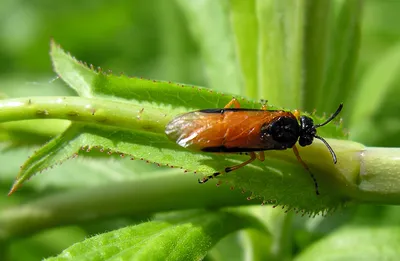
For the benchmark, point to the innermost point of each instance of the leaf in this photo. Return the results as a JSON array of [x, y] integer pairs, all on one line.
[[356, 243], [164, 96], [33, 132], [107, 140], [187, 237], [98, 169], [79, 78], [158, 94], [367, 232]]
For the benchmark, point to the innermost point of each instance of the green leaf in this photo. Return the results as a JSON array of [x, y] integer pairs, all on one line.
[[166, 96], [79, 78], [99, 169], [108, 140], [356, 243], [186, 237], [34, 132]]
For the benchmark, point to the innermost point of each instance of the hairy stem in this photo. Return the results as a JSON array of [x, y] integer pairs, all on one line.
[[379, 177], [139, 198], [376, 181], [93, 110], [282, 243]]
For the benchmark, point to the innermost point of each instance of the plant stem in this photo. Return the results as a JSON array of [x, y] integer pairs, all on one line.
[[93, 110], [378, 181], [137, 198], [282, 234], [379, 177], [362, 174]]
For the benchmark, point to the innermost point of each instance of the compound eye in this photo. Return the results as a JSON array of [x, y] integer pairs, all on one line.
[[305, 141]]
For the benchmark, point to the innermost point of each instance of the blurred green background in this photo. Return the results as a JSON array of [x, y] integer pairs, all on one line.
[[138, 38]]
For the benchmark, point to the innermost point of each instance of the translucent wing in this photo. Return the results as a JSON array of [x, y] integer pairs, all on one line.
[[223, 130]]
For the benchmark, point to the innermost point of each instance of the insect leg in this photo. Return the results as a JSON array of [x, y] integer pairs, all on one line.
[[229, 169], [261, 156], [296, 152], [233, 102]]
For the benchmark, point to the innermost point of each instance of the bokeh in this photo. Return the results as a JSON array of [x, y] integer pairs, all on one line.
[[151, 39]]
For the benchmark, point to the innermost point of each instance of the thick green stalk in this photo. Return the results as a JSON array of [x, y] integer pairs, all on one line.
[[361, 174], [377, 180], [282, 234], [138, 198], [379, 177], [89, 110]]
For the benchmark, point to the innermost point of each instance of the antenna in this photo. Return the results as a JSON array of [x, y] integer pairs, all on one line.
[[326, 122], [330, 118], [329, 148]]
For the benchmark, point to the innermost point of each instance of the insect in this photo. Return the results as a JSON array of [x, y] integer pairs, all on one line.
[[250, 131]]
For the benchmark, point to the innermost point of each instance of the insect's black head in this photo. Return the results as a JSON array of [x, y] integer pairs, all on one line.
[[308, 131], [284, 131]]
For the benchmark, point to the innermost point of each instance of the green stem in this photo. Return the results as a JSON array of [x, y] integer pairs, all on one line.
[[362, 174], [282, 234], [137, 198], [375, 177], [379, 177], [88, 110]]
